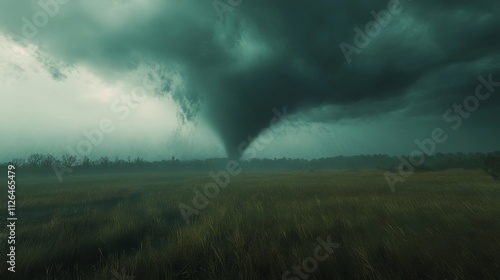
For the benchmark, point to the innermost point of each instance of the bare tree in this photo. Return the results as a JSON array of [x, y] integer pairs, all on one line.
[[35, 160], [86, 161], [68, 160], [48, 160], [103, 161]]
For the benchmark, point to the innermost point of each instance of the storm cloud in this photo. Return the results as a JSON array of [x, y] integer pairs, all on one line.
[[276, 54]]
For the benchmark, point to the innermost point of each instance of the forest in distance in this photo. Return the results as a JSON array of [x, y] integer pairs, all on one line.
[[39, 164]]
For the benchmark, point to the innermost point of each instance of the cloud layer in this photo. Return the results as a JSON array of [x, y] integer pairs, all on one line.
[[425, 56]]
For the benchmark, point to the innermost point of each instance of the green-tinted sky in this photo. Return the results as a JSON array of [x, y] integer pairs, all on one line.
[[215, 80]]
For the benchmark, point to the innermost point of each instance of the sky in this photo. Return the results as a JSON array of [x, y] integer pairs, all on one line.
[[237, 78]]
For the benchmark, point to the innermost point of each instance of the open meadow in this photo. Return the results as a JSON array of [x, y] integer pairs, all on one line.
[[249, 140], [263, 225]]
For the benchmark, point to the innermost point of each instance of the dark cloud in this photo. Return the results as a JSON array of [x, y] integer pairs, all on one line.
[[55, 68], [272, 54]]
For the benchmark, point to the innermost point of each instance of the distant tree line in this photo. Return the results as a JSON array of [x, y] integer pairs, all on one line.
[[41, 163]]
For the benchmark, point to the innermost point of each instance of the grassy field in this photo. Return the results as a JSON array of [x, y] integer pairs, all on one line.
[[437, 225]]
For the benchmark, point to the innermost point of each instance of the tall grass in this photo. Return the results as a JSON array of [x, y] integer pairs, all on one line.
[[437, 225]]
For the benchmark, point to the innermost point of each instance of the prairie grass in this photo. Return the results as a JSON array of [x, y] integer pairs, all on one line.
[[437, 225]]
